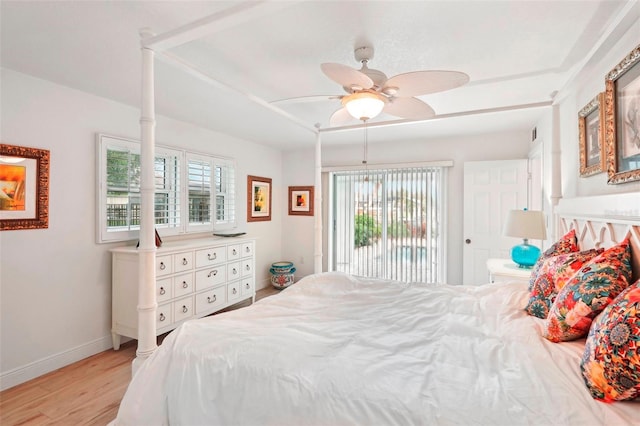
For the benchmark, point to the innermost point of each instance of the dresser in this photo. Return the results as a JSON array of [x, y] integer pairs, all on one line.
[[506, 270], [194, 278]]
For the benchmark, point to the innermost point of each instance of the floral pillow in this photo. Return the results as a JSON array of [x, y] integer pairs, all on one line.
[[611, 362], [554, 273], [588, 292], [567, 244]]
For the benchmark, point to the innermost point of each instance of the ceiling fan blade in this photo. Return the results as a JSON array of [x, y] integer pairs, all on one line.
[[306, 99], [412, 108], [340, 117], [346, 76], [424, 82]]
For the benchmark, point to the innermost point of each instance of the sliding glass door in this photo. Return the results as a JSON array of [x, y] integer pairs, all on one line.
[[388, 223]]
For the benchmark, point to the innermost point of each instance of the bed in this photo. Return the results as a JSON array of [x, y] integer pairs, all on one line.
[[335, 349]]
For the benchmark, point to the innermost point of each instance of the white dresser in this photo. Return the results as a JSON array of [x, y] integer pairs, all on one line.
[[194, 278]]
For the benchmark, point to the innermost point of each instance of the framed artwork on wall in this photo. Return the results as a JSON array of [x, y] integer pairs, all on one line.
[[622, 120], [24, 188], [301, 200], [591, 131], [258, 199]]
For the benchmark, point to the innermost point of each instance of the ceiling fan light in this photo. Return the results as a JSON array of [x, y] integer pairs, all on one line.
[[364, 105]]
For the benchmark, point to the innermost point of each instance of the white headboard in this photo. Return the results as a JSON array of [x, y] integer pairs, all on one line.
[[603, 221]]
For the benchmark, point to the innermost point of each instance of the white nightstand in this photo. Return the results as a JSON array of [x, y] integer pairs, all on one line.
[[506, 270]]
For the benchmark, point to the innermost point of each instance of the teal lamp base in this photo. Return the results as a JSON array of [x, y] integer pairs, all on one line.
[[525, 255]]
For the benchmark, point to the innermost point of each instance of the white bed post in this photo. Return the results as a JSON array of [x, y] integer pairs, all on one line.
[[317, 203], [147, 249], [556, 177]]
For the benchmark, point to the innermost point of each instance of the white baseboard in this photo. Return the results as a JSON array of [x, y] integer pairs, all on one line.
[[42, 366]]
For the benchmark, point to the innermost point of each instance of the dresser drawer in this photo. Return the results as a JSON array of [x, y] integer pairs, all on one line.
[[233, 252], [183, 309], [183, 285], [164, 290], [210, 299], [247, 249], [233, 291], [234, 271], [247, 267], [164, 265], [183, 261], [164, 315], [211, 256], [246, 287], [210, 277]]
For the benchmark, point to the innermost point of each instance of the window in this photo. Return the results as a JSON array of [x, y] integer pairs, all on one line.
[[389, 223], [209, 187]]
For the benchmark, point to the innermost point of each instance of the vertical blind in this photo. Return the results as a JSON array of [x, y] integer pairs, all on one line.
[[388, 223]]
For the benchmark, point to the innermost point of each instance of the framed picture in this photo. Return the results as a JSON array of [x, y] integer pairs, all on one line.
[[24, 188], [622, 120], [301, 200], [591, 130], [258, 199]]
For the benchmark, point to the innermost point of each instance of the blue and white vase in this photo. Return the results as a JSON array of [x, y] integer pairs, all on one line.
[[282, 274]]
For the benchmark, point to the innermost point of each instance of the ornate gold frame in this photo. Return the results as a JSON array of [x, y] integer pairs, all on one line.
[[618, 170], [588, 113], [40, 217]]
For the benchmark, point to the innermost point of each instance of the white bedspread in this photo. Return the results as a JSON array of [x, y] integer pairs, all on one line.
[[336, 350]]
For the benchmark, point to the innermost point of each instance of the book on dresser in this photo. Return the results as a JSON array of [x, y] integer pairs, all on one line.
[[194, 278]]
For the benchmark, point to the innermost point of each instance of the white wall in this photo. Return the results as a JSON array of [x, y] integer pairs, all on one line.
[[55, 283], [587, 84], [296, 171]]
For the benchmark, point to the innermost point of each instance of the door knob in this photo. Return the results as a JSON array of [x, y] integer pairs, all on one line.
[[467, 241]]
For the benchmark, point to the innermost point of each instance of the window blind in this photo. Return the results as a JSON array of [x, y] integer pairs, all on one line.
[[388, 223]]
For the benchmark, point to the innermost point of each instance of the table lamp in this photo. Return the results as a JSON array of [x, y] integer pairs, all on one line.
[[525, 224]]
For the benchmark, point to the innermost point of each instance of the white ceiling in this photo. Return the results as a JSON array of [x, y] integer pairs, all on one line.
[[518, 54]]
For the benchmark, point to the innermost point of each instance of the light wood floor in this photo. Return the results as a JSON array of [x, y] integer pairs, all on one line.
[[87, 392]]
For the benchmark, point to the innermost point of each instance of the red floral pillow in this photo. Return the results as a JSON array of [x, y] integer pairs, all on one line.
[[554, 273], [588, 292], [611, 362], [567, 244]]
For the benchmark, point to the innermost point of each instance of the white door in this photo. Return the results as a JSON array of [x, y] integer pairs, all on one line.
[[491, 189]]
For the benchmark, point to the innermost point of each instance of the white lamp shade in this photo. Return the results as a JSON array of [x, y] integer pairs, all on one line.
[[363, 105], [528, 224]]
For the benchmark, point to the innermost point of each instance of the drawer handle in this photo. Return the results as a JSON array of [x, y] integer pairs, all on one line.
[[247, 286], [234, 291], [214, 273], [185, 261], [162, 266], [215, 255], [162, 291], [235, 252], [184, 284], [184, 309], [234, 271], [247, 249], [162, 317], [211, 299], [247, 267]]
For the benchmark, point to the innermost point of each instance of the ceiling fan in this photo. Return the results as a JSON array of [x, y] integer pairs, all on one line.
[[370, 92]]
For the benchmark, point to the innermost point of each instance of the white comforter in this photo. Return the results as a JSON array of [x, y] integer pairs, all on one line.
[[336, 350]]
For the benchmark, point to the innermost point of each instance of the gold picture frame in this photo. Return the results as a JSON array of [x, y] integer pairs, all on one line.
[[591, 131], [258, 199], [301, 200], [24, 188], [622, 120]]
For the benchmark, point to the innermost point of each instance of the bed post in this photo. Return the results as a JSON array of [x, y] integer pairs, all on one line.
[[317, 203], [147, 249]]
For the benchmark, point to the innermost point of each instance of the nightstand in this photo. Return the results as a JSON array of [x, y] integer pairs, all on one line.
[[506, 270]]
